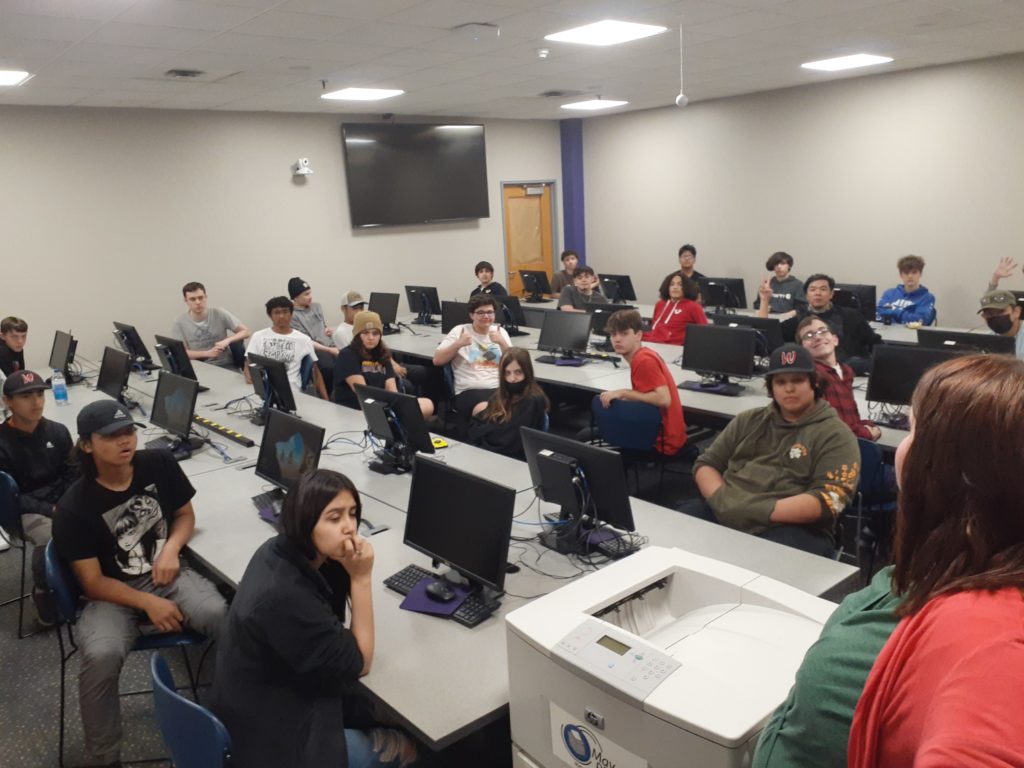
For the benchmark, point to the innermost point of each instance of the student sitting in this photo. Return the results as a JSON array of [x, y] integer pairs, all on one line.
[[650, 380], [687, 262], [677, 308], [582, 292], [836, 379], [786, 471], [13, 336], [910, 302], [474, 349], [122, 527], [786, 290], [1002, 314], [287, 664], [1005, 268], [485, 274], [308, 317], [207, 333], [35, 452], [352, 303], [519, 402], [367, 360], [564, 276], [282, 342], [946, 688]]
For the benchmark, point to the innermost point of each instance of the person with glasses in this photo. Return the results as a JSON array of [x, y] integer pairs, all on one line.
[[836, 378], [473, 349]]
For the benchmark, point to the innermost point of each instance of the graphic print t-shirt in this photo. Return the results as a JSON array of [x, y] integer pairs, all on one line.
[[289, 348], [124, 530], [476, 365]]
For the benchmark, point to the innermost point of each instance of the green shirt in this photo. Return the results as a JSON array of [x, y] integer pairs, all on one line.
[[812, 726]]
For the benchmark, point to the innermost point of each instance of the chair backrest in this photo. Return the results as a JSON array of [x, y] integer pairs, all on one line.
[[628, 425], [10, 506], [63, 584], [237, 349], [193, 734], [449, 379], [306, 371], [870, 467]]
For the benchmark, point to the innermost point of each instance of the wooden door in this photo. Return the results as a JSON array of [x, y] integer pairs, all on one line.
[[529, 238]]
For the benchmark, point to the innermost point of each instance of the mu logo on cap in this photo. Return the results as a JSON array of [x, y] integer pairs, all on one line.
[[788, 358]]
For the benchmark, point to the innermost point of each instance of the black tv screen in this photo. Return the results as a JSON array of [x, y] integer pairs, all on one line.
[[414, 173]]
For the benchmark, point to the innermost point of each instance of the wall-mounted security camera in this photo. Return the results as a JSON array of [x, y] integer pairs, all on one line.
[[301, 167]]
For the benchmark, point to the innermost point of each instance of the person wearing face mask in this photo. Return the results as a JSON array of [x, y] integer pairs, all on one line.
[[518, 402], [1002, 314]]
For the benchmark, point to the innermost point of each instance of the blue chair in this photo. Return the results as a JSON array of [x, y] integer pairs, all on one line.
[[875, 503], [67, 594], [193, 734], [10, 521]]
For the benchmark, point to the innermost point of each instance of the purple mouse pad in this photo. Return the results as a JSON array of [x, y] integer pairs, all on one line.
[[267, 513], [418, 601], [574, 362]]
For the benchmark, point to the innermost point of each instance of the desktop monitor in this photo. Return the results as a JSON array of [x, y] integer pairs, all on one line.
[[856, 296], [727, 292], [290, 447], [510, 315], [896, 369], [62, 355], [423, 301], [565, 332], [174, 357], [132, 343], [453, 313], [718, 352], [274, 387], [396, 419], [385, 305], [114, 370], [769, 329], [461, 520], [173, 407], [618, 288], [535, 282], [962, 341], [599, 314]]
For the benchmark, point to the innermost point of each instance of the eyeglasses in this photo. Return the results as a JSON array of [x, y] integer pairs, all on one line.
[[482, 313], [818, 334]]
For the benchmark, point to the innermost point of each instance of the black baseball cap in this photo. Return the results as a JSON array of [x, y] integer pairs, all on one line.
[[790, 358], [20, 382], [104, 417]]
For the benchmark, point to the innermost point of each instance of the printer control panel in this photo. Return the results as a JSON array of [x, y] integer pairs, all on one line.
[[622, 662]]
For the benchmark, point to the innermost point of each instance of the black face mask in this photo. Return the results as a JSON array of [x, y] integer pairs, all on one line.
[[1000, 324], [516, 387]]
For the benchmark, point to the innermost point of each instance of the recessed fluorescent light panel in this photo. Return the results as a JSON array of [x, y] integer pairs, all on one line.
[[362, 94], [847, 62], [594, 104], [13, 76], [607, 32]]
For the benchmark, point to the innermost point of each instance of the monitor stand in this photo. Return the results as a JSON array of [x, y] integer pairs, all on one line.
[[389, 329], [717, 386], [392, 459]]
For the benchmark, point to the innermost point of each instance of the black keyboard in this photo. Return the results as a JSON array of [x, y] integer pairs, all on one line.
[[553, 360], [599, 356], [472, 611], [269, 501], [407, 578], [160, 443], [220, 429], [616, 548]]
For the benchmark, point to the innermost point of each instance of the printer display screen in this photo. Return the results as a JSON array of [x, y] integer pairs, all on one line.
[[613, 645]]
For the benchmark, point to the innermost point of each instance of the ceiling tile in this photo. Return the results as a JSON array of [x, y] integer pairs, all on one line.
[[170, 38], [46, 28], [188, 14], [303, 26], [100, 10], [350, 9], [445, 14]]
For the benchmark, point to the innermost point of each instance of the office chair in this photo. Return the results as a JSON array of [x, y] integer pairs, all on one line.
[[68, 596], [10, 521], [873, 511], [193, 734]]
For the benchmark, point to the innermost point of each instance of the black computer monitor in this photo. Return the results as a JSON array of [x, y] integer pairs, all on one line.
[[565, 332], [535, 282], [856, 296], [385, 305], [589, 483], [453, 313], [114, 369], [274, 386], [769, 329], [174, 357], [618, 288], [717, 352], [396, 419], [174, 405], [62, 356], [290, 447], [461, 520], [962, 341], [725, 292], [896, 369], [510, 315], [599, 314], [132, 343], [424, 302]]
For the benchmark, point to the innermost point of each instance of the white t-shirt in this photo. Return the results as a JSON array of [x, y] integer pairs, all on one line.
[[289, 348], [476, 365], [343, 335]]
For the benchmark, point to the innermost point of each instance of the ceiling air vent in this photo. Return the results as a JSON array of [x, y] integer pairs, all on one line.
[[183, 74], [557, 94]]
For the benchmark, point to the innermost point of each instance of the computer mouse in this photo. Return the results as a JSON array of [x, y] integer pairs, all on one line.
[[440, 591]]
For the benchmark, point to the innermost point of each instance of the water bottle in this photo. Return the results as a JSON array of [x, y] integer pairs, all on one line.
[[60, 389]]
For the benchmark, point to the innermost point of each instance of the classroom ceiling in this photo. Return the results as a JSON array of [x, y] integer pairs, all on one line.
[[271, 55]]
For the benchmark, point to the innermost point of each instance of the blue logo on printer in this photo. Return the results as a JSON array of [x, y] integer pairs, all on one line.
[[582, 745]]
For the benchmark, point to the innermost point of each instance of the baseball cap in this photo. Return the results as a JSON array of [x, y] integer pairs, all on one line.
[[296, 286], [104, 417], [21, 382], [790, 358], [352, 299], [366, 321], [997, 300]]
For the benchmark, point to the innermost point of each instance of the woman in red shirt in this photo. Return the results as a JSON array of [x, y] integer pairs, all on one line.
[[948, 685], [676, 309]]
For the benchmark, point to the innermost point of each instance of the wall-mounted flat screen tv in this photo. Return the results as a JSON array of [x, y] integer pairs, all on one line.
[[414, 173]]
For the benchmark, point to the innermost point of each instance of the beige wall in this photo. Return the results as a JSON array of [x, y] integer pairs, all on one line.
[[107, 213], [846, 177]]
